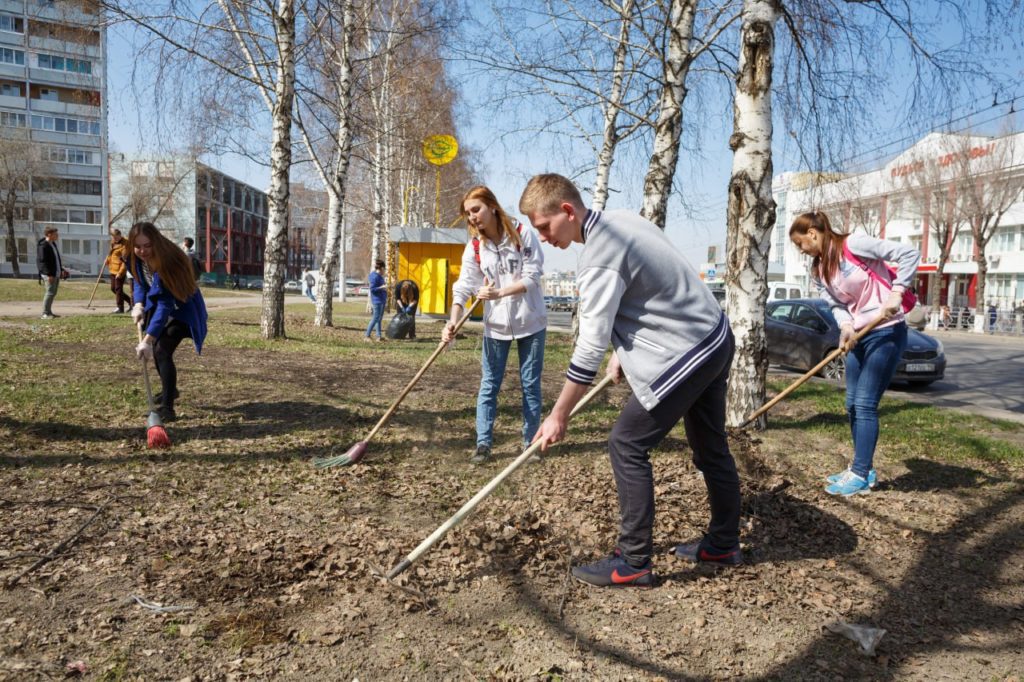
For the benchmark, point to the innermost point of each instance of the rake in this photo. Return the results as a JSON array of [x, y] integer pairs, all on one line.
[[358, 451]]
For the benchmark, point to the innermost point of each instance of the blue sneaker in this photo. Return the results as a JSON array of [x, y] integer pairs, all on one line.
[[614, 571], [703, 552], [848, 484], [872, 477]]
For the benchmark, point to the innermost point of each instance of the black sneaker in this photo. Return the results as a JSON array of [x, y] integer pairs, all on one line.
[[703, 552], [158, 399], [482, 454], [167, 414], [614, 571]]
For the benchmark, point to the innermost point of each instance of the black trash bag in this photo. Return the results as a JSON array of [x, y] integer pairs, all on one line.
[[400, 326]]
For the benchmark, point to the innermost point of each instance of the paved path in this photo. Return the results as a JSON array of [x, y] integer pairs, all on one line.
[[77, 307]]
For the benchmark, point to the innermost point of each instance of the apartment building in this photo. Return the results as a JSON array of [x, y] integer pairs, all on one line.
[[53, 126], [934, 189], [184, 198]]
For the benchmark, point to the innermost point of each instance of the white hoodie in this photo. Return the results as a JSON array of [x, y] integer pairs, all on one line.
[[510, 317]]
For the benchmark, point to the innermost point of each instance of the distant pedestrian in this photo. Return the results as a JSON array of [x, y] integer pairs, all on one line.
[[168, 305], [993, 316], [117, 265], [51, 267], [378, 298], [236, 281], [188, 246], [308, 285], [853, 278], [407, 298]]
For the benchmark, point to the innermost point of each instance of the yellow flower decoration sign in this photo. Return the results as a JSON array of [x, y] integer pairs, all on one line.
[[440, 149]]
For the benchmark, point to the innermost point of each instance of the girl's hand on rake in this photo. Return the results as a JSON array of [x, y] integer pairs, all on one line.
[[144, 350], [846, 334]]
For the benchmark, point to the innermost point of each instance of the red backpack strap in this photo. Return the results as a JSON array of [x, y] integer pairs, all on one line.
[[476, 243]]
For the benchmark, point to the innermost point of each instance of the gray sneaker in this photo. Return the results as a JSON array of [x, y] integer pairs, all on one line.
[[482, 454]]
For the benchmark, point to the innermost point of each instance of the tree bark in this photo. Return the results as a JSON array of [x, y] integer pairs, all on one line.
[[610, 137], [12, 241], [668, 129], [275, 253], [751, 210]]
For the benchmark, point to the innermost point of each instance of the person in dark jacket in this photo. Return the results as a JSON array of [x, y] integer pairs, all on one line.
[[407, 298], [49, 263], [168, 305], [116, 263]]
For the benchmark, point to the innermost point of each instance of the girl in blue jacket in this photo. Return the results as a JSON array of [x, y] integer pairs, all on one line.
[[168, 305]]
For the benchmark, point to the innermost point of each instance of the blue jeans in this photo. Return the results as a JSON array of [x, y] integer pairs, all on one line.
[[493, 361], [310, 295], [378, 315], [870, 367]]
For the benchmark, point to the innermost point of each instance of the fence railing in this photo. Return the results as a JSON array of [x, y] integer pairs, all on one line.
[[1006, 321]]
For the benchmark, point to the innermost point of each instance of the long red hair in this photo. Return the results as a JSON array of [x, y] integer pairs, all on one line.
[[825, 264], [485, 195]]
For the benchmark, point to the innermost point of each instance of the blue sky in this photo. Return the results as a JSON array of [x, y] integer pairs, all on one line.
[[697, 210]]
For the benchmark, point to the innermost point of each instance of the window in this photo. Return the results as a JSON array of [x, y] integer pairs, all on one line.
[[11, 90], [55, 62], [1005, 239], [76, 215], [22, 244], [48, 95], [165, 169], [9, 56], [12, 24], [69, 125], [781, 312], [10, 119], [71, 247], [963, 248], [68, 186]]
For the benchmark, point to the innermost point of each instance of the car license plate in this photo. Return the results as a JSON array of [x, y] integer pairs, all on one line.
[[920, 367]]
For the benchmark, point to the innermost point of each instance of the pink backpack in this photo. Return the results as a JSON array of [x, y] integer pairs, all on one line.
[[909, 297]]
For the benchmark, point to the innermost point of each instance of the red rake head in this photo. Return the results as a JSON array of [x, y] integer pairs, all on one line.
[[353, 455], [157, 438]]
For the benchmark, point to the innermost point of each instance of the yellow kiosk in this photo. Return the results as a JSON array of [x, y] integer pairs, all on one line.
[[431, 257]]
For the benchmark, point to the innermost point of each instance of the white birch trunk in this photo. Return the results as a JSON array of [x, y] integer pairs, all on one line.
[[611, 111], [333, 260], [662, 167], [274, 263], [751, 210]]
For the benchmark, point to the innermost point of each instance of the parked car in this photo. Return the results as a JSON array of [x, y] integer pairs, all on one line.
[[782, 291], [352, 286], [292, 285], [801, 332], [254, 284]]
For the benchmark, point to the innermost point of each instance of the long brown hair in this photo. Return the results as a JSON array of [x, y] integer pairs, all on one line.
[[168, 259], [405, 292], [826, 263], [484, 194]]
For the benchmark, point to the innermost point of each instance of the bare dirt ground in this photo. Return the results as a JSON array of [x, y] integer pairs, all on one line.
[[230, 557]]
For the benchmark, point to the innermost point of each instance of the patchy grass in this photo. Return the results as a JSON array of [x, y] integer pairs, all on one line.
[[907, 427]]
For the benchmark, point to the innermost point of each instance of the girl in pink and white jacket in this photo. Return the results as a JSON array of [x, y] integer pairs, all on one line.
[[858, 297]]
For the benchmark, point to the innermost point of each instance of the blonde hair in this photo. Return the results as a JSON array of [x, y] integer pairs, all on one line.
[[546, 192], [484, 194]]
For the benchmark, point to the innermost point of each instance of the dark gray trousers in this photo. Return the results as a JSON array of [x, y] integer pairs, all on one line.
[[700, 403]]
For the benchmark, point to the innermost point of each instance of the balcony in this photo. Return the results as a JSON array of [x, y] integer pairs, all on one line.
[[61, 13], [54, 199], [73, 80], [54, 45], [12, 71], [51, 107], [12, 39], [70, 139], [16, 103]]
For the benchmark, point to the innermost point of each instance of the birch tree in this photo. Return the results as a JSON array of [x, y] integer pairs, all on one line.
[[247, 43], [332, 34], [750, 215]]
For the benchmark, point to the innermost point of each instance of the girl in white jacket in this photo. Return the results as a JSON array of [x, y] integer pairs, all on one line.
[[502, 264]]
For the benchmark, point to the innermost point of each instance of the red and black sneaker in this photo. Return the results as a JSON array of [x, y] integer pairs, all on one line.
[[614, 571], [704, 552]]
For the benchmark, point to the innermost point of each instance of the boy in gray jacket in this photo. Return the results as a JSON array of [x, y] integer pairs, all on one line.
[[672, 342]]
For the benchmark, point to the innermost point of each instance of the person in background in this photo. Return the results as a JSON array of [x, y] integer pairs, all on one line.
[[672, 342], [188, 245], [308, 285], [840, 268], [378, 299], [993, 316], [49, 264], [502, 265], [117, 264], [407, 298], [168, 305]]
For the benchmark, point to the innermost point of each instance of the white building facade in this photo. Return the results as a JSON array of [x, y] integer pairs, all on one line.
[[53, 94], [932, 191]]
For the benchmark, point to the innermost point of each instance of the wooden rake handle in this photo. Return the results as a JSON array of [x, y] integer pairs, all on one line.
[[96, 286], [810, 373], [437, 351], [145, 374], [487, 489]]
